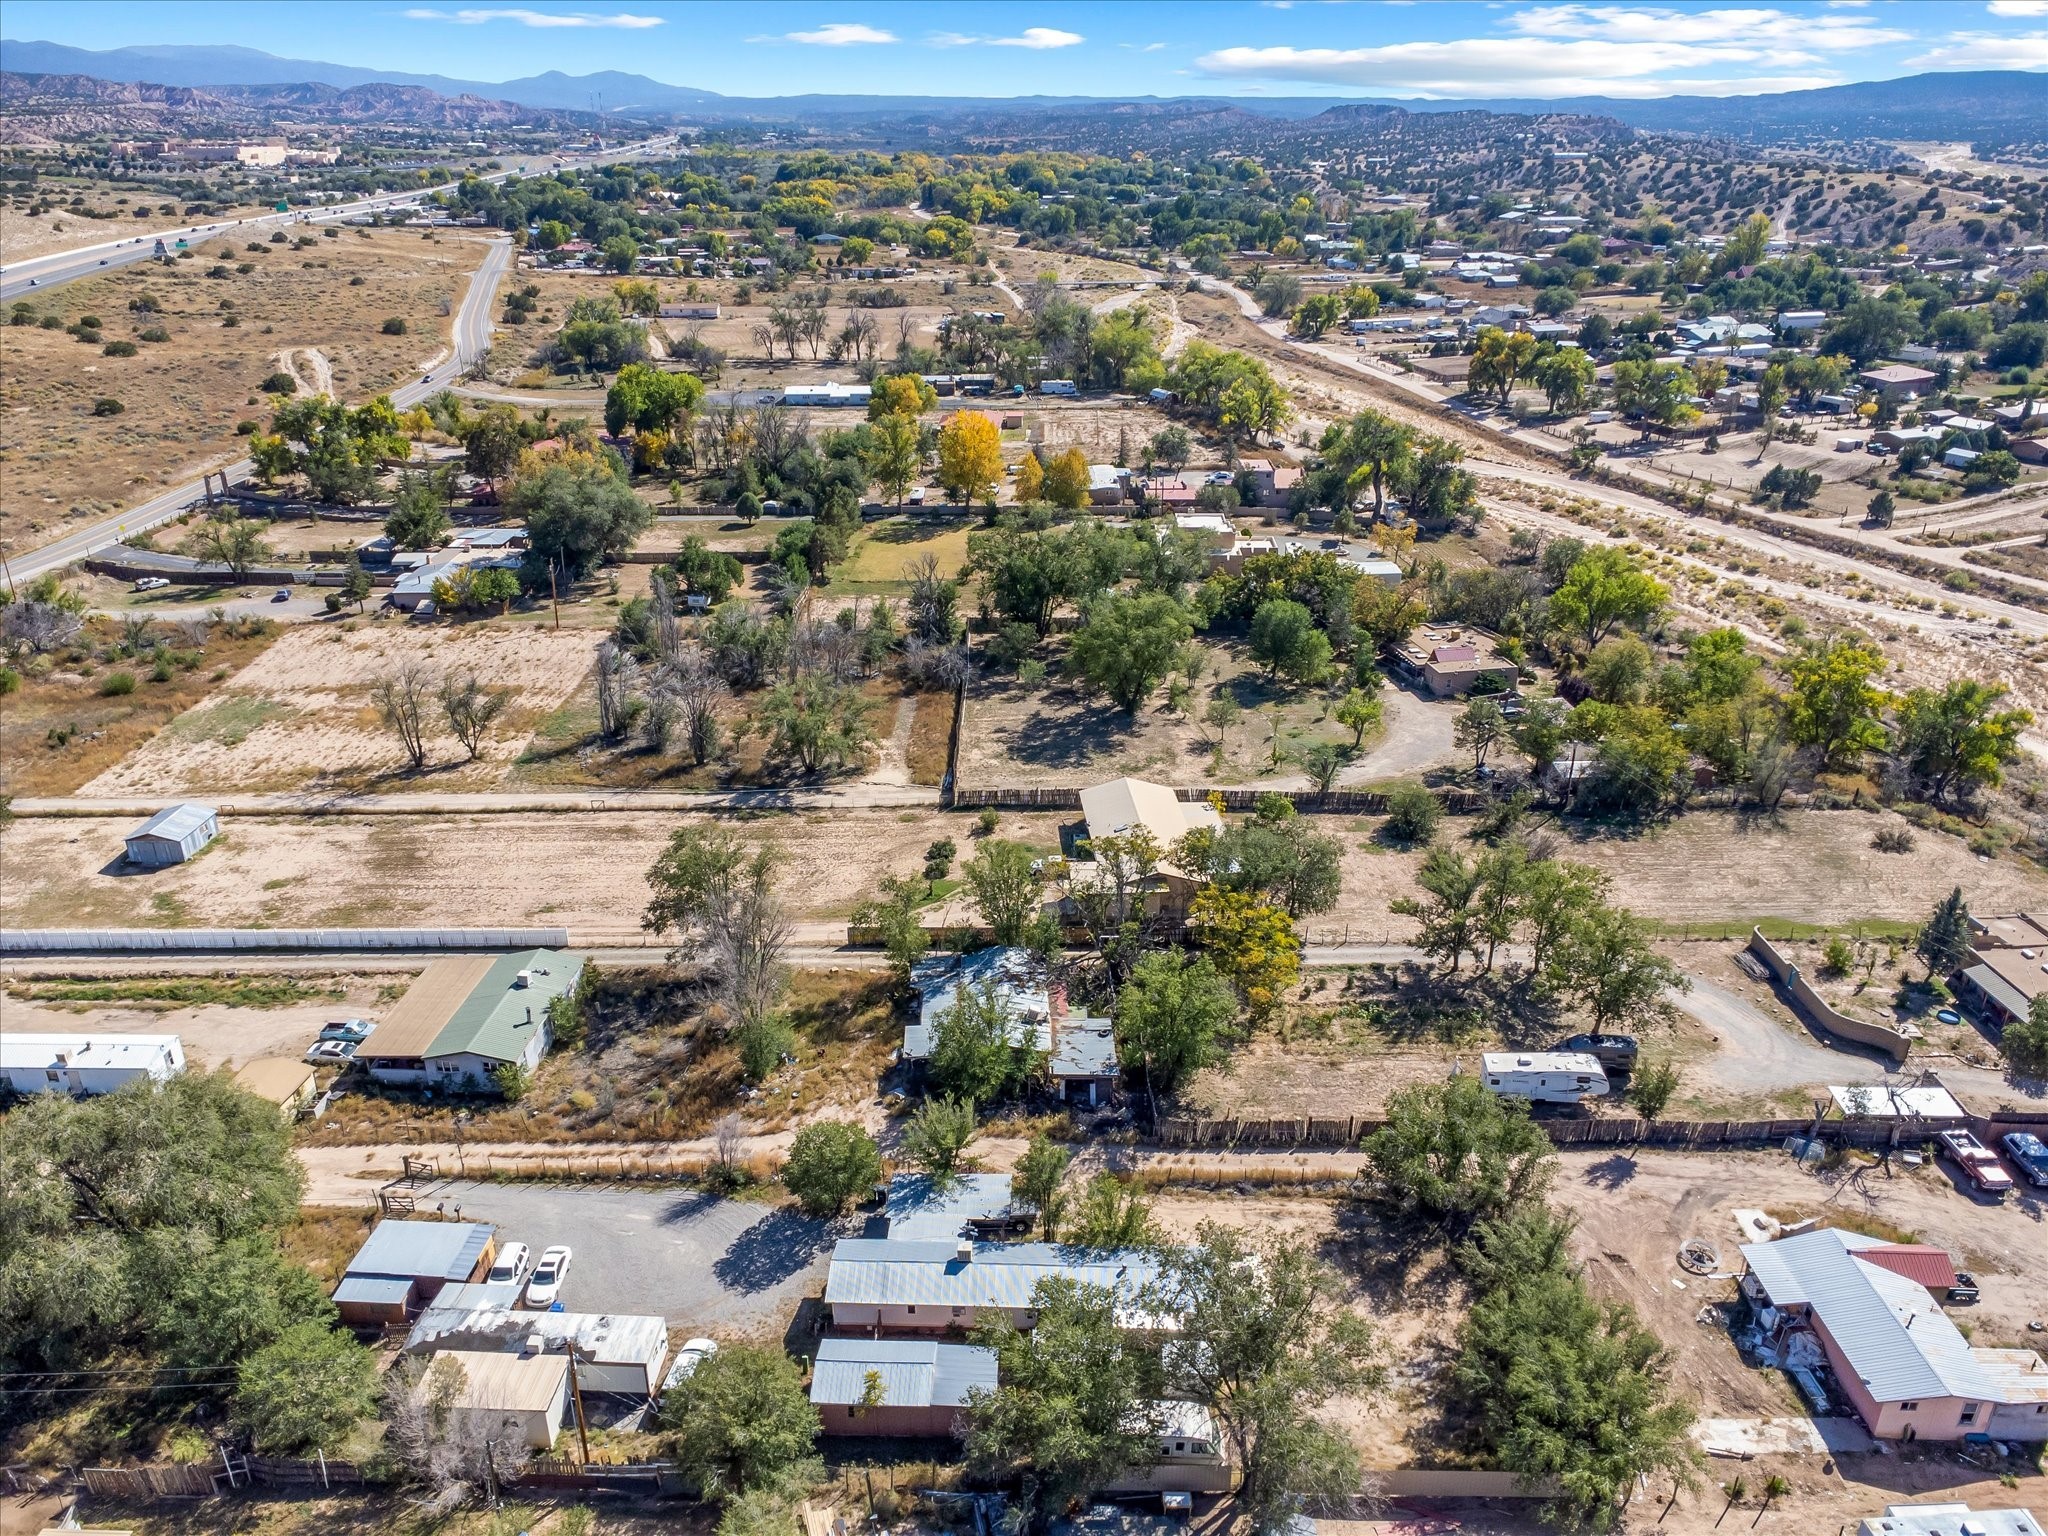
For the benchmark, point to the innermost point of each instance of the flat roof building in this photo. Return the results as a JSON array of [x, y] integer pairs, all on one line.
[[892, 1287], [524, 1394], [403, 1265], [85, 1064], [616, 1352]]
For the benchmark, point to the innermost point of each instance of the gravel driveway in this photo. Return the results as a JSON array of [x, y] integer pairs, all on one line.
[[721, 1267]]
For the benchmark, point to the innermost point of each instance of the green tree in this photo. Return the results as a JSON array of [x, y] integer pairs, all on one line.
[[2024, 1043], [1113, 1213], [235, 542], [981, 1051], [1944, 939], [1266, 1339], [1651, 1086], [1028, 576], [1077, 1402], [1128, 644], [305, 1390], [1361, 712], [419, 513], [1957, 737], [1834, 702], [936, 1136], [1566, 377], [578, 514], [1284, 639], [1280, 859], [821, 724], [649, 399], [892, 458], [1554, 1385], [1005, 880], [1412, 813], [1606, 963], [1039, 1181], [1453, 1153], [493, 443], [1603, 591], [895, 914], [355, 582], [1446, 914], [1479, 728], [1066, 480], [831, 1163], [741, 1421]]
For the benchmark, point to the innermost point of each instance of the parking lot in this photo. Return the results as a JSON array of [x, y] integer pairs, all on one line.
[[729, 1268]]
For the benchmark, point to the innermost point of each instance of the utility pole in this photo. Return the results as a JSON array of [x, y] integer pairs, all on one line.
[[554, 596], [576, 1395]]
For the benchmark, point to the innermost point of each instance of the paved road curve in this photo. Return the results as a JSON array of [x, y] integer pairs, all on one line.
[[38, 274], [472, 338]]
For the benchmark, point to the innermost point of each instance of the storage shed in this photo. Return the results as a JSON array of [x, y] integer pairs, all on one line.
[[288, 1084], [405, 1264], [897, 1386], [173, 835], [526, 1394]]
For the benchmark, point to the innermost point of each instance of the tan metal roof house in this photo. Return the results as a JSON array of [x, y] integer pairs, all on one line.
[[529, 1391], [288, 1084], [466, 1016]]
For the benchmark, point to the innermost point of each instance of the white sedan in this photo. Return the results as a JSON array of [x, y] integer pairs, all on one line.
[[546, 1285]]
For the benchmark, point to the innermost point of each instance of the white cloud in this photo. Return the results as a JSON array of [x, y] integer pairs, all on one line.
[[1986, 50], [1153, 48], [1751, 27], [2018, 7], [1030, 37], [1520, 66], [526, 18], [840, 34], [1039, 37]]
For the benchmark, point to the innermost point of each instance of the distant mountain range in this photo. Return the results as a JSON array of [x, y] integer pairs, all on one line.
[[110, 105], [1995, 105]]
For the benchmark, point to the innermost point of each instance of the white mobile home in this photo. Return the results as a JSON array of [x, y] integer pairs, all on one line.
[[1545, 1077], [82, 1065]]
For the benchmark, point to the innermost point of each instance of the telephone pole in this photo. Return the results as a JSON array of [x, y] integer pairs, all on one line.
[[576, 1396]]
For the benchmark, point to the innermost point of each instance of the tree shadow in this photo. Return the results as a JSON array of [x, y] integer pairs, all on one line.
[[779, 1245], [1612, 1171]]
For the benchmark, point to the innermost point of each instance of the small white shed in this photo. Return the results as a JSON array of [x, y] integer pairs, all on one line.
[[173, 835]]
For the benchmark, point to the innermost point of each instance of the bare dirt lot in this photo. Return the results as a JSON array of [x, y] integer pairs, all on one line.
[[580, 870], [303, 717], [181, 397]]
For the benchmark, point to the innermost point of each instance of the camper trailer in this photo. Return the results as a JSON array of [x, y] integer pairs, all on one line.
[[1544, 1077]]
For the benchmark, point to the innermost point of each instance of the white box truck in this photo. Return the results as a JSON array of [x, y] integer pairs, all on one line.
[[1058, 387], [1544, 1077]]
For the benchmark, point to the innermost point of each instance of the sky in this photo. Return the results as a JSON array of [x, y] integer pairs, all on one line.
[[1446, 49]]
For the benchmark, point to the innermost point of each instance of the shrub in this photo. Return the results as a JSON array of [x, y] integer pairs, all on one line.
[[156, 333], [986, 822], [1412, 814], [1893, 840], [394, 326], [279, 383], [1837, 957], [115, 684], [762, 1045], [119, 349], [512, 1079], [830, 1164], [245, 428], [10, 681], [107, 405]]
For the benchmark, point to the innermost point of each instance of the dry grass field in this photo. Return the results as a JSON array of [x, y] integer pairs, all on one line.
[[183, 396], [61, 730], [582, 870], [303, 718]]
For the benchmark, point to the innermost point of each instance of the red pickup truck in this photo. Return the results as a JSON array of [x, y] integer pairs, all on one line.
[[1977, 1162]]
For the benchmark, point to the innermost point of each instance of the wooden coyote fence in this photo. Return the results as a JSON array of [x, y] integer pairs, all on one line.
[[1351, 1131], [1339, 802]]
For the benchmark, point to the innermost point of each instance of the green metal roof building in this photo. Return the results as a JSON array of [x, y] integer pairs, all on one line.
[[469, 1015]]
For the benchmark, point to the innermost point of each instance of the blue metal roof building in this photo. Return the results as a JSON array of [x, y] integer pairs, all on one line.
[[897, 1386], [404, 1264], [928, 1287], [173, 835]]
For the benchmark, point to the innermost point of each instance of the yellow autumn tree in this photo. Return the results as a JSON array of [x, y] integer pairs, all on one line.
[[1030, 480], [1066, 480], [901, 394], [1255, 945], [970, 457]]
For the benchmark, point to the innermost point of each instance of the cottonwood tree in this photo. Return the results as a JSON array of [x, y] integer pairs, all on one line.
[[1078, 1400], [710, 884], [1266, 1339], [618, 675], [1174, 1017], [1113, 1213], [937, 1134], [471, 708], [1039, 1180], [305, 1390], [830, 1163], [235, 542], [1005, 880], [1606, 964], [1453, 1153], [741, 1422], [981, 1052], [402, 698]]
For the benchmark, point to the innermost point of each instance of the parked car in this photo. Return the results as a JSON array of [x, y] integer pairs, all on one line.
[[688, 1358], [513, 1262], [2029, 1154], [353, 1030], [1219, 477], [1976, 1162], [546, 1284], [916, 497], [330, 1051], [151, 583], [281, 595], [1616, 1053], [1964, 1292]]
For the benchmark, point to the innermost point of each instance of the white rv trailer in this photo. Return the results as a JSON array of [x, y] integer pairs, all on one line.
[[1544, 1077]]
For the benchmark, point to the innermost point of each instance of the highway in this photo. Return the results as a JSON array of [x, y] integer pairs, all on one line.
[[471, 337], [37, 274]]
